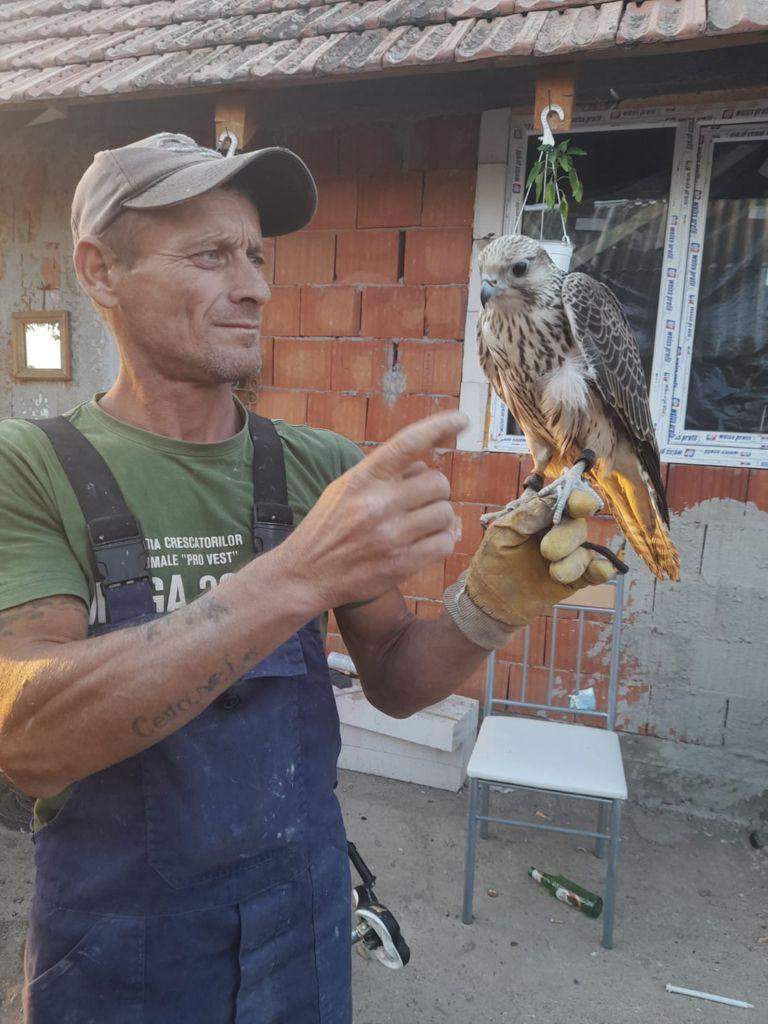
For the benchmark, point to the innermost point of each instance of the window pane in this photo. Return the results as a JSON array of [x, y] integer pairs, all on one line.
[[728, 388], [618, 229]]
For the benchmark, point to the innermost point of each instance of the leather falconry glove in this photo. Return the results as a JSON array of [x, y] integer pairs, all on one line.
[[523, 567]]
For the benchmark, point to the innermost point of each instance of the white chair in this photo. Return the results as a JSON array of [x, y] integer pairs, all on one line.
[[533, 753]]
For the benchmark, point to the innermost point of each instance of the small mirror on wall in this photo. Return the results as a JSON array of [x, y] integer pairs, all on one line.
[[41, 349]]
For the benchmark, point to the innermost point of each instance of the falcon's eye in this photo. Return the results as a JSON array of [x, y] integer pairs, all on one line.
[[520, 268]]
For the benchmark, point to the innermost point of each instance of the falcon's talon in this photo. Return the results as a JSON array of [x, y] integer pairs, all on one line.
[[570, 480], [489, 517]]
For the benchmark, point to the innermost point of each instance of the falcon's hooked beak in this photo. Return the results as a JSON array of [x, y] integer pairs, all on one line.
[[487, 291]]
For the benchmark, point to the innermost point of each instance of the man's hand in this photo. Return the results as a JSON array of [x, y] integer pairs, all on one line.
[[380, 522], [522, 568]]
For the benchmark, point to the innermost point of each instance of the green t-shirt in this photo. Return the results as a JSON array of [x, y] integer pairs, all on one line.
[[193, 501]]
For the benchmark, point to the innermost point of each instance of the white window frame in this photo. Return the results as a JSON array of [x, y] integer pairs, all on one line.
[[500, 181]]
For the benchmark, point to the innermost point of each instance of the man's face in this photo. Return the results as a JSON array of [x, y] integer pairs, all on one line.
[[189, 307]]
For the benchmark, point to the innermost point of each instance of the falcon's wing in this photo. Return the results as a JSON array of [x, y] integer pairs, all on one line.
[[601, 331]]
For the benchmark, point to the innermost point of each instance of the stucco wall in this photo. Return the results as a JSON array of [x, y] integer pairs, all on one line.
[[36, 269], [376, 284]]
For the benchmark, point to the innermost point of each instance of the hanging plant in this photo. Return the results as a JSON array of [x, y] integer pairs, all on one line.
[[554, 176]]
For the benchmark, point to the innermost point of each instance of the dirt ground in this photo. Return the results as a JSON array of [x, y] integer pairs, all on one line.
[[692, 908]]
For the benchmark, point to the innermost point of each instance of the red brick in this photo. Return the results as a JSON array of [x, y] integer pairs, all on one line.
[[384, 420], [343, 413], [471, 530], [514, 650], [267, 357], [441, 459], [302, 363], [536, 686], [596, 639], [446, 312], [330, 310], [455, 565], [444, 143], [336, 204], [269, 260], [358, 365], [371, 149], [318, 150], [474, 686], [603, 531], [432, 368], [305, 257], [757, 490], [690, 485], [390, 202], [490, 478], [367, 256], [333, 642], [278, 404], [281, 313], [396, 312], [429, 609], [437, 255], [427, 582], [449, 199]]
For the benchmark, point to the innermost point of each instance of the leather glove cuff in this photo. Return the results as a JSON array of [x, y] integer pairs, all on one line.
[[476, 625]]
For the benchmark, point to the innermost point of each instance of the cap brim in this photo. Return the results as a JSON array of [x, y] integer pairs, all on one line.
[[277, 180]]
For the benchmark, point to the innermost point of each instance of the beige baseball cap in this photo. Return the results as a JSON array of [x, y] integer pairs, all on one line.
[[167, 169]]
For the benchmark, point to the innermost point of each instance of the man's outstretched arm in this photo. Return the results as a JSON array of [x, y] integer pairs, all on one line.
[[521, 569]]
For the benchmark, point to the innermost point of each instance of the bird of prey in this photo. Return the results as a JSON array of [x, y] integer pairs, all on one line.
[[559, 352]]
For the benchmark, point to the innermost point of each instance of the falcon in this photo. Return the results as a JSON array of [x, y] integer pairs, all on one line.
[[559, 352]]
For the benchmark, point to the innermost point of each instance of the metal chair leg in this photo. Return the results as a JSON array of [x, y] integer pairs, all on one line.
[[485, 795], [601, 822], [610, 882], [469, 867]]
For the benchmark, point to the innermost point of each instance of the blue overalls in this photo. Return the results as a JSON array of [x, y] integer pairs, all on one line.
[[204, 880]]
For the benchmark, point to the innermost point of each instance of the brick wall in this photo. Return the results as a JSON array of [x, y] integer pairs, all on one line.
[[378, 282]]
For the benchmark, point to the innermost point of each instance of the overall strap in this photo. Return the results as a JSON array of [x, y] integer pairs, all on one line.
[[114, 533], [272, 515]]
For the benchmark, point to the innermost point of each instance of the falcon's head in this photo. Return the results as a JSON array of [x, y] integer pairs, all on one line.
[[515, 270]]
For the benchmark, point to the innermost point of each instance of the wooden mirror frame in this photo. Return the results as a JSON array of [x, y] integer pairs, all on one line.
[[18, 342]]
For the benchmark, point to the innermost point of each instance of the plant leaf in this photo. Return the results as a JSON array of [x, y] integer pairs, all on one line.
[[576, 151], [549, 195], [564, 208]]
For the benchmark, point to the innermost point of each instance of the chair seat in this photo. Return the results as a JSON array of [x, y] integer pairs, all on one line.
[[549, 755]]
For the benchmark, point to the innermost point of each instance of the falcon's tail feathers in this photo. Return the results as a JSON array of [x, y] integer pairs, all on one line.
[[632, 501]]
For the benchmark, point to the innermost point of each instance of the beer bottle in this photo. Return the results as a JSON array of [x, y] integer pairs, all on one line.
[[569, 892]]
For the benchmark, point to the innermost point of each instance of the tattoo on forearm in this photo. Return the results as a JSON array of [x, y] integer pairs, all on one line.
[[148, 725], [33, 611]]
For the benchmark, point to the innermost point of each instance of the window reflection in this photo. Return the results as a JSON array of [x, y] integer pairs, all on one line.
[[618, 229], [728, 389]]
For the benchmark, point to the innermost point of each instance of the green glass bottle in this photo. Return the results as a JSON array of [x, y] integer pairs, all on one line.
[[566, 891]]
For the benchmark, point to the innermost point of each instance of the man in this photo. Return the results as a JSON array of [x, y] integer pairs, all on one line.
[[176, 722]]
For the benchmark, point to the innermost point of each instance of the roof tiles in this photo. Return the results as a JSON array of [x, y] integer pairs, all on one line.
[[53, 48]]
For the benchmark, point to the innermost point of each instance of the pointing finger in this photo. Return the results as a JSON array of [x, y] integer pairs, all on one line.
[[412, 444]]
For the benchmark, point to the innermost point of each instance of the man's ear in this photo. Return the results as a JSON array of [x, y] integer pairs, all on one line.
[[97, 270]]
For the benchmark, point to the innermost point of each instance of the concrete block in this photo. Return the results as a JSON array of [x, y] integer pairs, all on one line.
[[489, 200], [709, 782], [430, 748], [473, 401], [375, 754], [746, 726], [443, 726], [678, 714], [494, 136], [471, 369]]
